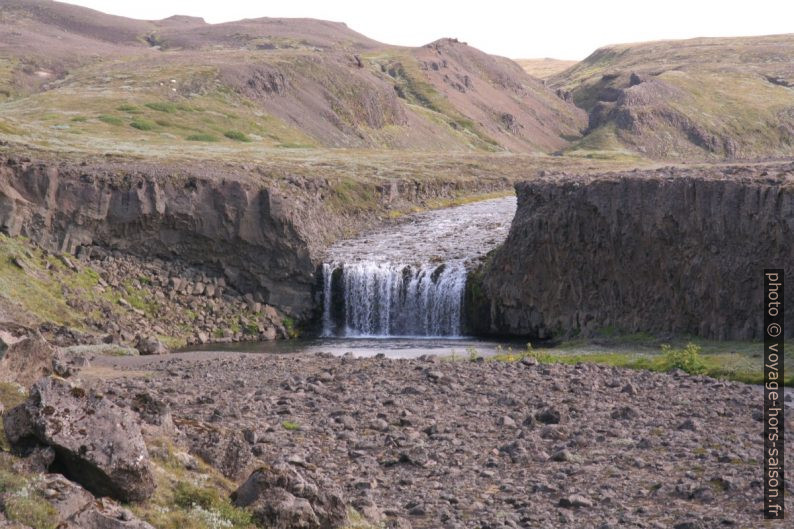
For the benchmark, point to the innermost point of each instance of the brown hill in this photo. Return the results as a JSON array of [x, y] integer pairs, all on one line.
[[74, 78], [698, 98]]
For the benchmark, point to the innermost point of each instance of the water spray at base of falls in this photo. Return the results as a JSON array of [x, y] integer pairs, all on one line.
[[385, 299]]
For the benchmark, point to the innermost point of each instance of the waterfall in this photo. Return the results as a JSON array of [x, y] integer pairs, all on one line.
[[327, 271], [385, 299]]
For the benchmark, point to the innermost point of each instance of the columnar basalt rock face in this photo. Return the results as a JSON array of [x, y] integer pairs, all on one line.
[[244, 230], [673, 250]]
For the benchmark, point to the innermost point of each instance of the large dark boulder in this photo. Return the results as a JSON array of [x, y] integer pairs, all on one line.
[[280, 497], [96, 443]]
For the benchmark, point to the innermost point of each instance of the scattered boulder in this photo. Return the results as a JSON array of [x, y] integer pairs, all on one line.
[[150, 345], [689, 424], [281, 498], [154, 413], [575, 501], [224, 449], [624, 413], [68, 498], [98, 444], [24, 359], [549, 416]]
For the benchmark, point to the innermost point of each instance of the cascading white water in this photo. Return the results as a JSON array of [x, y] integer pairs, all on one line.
[[387, 299], [409, 278]]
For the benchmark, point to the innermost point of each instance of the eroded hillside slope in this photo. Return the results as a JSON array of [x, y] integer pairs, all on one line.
[[74, 78], [702, 98]]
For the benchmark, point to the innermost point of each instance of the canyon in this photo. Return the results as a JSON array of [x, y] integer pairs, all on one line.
[[274, 273]]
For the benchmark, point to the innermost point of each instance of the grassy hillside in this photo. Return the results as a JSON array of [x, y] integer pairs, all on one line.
[[76, 79], [700, 98]]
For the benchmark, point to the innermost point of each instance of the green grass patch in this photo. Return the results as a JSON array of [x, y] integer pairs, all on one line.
[[142, 124], [29, 286], [189, 498], [202, 137], [79, 119], [736, 366], [31, 510], [290, 426], [236, 135], [21, 502], [110, 120], [137, 298]]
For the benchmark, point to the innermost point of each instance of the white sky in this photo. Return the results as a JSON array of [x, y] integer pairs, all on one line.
[[565, 29]]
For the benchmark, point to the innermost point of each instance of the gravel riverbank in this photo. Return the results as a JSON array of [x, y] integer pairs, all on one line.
[[435, 443]]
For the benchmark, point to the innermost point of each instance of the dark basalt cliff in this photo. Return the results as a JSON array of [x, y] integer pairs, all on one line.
[[673, 250], [248, 233]]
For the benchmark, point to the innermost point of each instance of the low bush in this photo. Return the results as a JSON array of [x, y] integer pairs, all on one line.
[[236, 135], [142, 124], [687, 359], [110, 120]]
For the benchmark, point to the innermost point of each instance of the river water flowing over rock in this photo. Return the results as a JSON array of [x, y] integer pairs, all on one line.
[[408, 279]]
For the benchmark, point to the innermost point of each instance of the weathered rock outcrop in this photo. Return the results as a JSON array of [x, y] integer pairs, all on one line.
[[673, 250], [73, 507], [280, 497], [98, 444], [222, 448]]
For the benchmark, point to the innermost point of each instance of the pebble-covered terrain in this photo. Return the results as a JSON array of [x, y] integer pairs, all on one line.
[[437, 443]]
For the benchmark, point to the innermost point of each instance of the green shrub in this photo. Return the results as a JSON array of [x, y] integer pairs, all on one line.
[[236, 135], [163, 106], [110, 120], [130, 109], [291, 426], [291, 327], [687, 359], [202, 137], [79, 119], [209, 506], [142, 124]]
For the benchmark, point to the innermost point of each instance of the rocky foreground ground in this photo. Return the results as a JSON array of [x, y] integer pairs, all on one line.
[[441, 443]]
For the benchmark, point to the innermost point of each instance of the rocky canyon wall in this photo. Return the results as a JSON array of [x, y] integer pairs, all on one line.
[[264, 234], [245, 232], [667, 251]]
